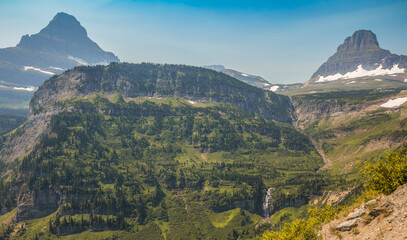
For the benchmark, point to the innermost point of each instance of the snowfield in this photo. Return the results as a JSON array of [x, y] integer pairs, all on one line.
[[394, 102], [57, 68], [26, 68], [361, 72], [274, 88], [29, 89], [78, 60]]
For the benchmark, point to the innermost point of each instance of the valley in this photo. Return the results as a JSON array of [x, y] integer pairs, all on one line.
[[95, 148]]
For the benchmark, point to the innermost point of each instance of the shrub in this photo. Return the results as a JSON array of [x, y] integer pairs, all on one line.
[[387, 174], [304, 228]]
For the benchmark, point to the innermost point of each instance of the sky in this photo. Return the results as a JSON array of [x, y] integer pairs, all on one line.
[[282, 41]]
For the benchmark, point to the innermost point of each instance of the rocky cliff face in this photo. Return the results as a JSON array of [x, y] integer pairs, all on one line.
[[359, 54], [307, 110], [36, 204], [333, 104]]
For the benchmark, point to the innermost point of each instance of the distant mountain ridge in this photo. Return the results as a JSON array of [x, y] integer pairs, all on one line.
[[253, 80], [61, 45], [360, 56]]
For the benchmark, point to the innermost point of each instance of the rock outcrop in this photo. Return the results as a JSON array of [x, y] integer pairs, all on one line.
[[36, 204], [381, 218]]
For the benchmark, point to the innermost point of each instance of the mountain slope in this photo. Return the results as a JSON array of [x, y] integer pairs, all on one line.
[[346, 125], [152, 151], [360, 56], [61, 45]]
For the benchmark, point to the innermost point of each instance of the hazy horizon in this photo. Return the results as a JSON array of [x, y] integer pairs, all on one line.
[[284, 42]]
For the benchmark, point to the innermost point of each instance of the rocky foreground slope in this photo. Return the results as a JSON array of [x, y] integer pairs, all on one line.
[[382, 218]]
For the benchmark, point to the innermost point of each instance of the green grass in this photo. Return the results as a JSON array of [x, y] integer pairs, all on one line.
[[220, 220], [289, 214], [5, 219]]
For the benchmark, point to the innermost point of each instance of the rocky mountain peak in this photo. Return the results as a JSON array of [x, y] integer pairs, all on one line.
[[61, 45], [62, 28], [65, 26], [361, 40], [360, 55]]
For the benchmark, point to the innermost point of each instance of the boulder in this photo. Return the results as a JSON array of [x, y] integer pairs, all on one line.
[[348, 225], [355, 214]]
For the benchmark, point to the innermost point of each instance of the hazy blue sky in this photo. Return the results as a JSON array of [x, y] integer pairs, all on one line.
[[282, 41]]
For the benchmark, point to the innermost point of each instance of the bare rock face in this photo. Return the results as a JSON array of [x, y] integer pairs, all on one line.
[[348, 225], [42, 108], [309, 109], [36, 204], [356, 214]]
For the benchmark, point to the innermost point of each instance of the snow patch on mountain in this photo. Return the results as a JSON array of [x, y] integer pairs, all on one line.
[[57, 68], [78, 60], [274, 88], [361, 72], [28, 89], [26, 68], [394, 102]]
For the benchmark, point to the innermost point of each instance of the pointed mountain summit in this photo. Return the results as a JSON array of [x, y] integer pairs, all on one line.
[[360, 56], [62, 44], [361, 41], [65, 35]]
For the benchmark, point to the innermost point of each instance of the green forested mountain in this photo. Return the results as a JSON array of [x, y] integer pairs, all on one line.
[[165, 80], [144, 151]]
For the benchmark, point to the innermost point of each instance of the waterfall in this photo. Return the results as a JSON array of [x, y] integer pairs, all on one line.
[[267, 204]]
